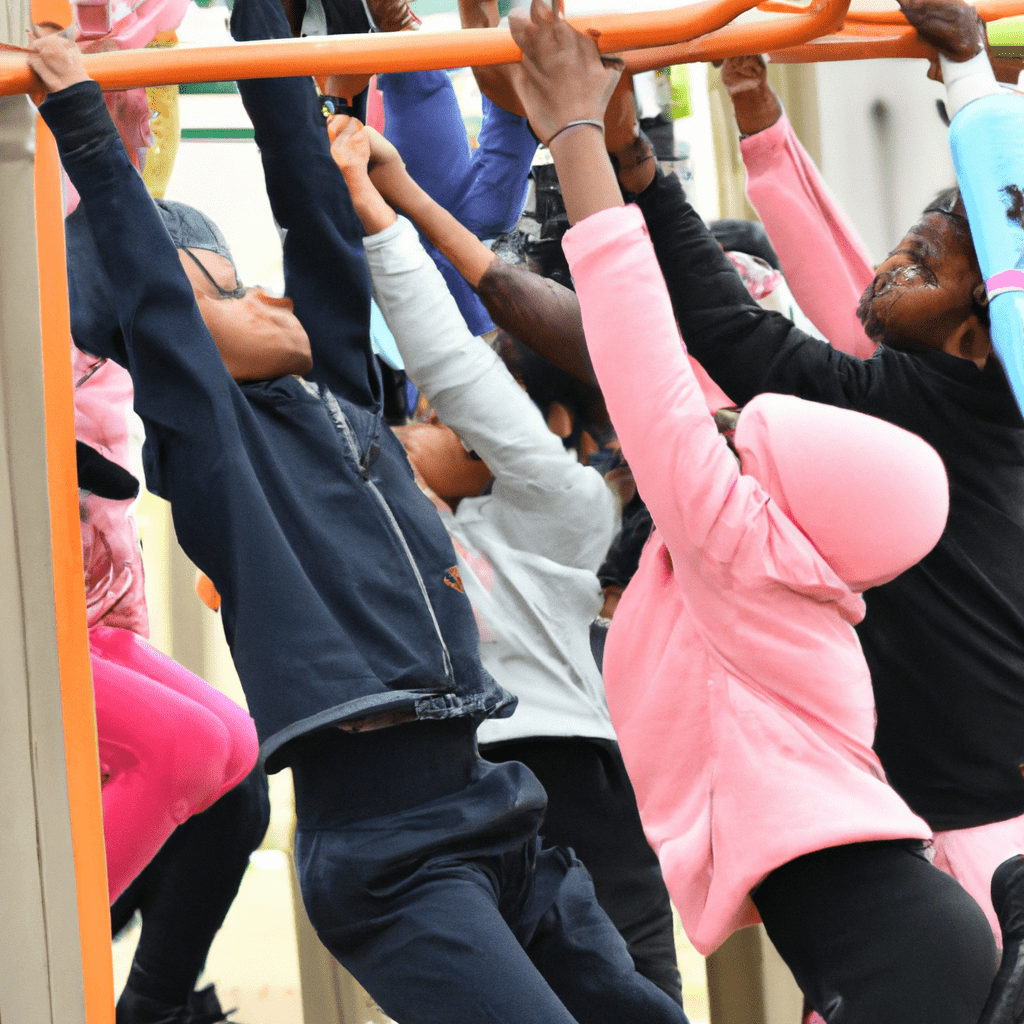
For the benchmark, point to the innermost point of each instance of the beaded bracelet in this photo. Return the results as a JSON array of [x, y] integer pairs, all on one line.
[[572, 124]]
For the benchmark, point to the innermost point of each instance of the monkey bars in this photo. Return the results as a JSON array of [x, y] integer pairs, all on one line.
[[408, 51], [863, 33], [821, 30], [872, 34]]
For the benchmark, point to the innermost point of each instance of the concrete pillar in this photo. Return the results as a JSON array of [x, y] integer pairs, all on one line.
[[749, 984]]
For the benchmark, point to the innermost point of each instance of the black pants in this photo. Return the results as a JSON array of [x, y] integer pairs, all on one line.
[[420, 871], [185, 891], [592, 810], [874, 934]]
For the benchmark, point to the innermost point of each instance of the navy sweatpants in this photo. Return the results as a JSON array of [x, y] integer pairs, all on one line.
[[421, 872]]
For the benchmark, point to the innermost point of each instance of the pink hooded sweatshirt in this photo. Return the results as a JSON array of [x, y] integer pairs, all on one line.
[[114, 581], [735, 679]]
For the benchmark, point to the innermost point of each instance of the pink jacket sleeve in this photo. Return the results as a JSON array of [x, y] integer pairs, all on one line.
[[825, 263], [683, 468]]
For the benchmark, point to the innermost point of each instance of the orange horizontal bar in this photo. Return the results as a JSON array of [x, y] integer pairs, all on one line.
[[368, 54], [859, 41], [821, 18], [864, 38], [990, 10]]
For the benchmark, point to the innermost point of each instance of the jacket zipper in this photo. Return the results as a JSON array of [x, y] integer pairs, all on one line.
[[341, 425]]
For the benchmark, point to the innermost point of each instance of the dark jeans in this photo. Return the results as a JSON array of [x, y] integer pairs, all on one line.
[[874, 934], [592, 810], [185, 891], [438, 899]]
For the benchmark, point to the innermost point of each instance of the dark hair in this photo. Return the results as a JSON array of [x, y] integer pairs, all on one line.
[[546, 252], [946, 201], [735, 235], [950, 202], [546, 384]]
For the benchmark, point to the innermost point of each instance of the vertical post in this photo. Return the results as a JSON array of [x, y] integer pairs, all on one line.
[[40, 952], [55, 942], [79, 715], [748, 983]]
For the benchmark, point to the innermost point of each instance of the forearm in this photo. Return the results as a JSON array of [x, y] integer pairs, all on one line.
[[457, 244], [153, 325], [585, 173], [542, 314], [744, 348], [128, 233], [371, 208], [825, 262]]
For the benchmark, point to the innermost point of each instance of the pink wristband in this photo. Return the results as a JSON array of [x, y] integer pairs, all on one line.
[[1006, 281]]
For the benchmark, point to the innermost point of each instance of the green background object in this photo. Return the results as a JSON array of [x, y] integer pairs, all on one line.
[[1007, 32], [679, 76]]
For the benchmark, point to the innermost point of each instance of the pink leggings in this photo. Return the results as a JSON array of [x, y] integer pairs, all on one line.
[[170, 743]]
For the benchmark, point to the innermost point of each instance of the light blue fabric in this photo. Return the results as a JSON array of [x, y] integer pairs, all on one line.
[[987, 141], [382, 338]]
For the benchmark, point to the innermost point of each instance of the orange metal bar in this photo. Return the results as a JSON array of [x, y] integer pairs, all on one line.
[[821, 18], [860, 41], [400, 51], [79, 716], [863, 37], [990, 10]]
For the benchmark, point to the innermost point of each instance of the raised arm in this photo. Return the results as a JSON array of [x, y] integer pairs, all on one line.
[[154, 326], [745, 349], [822, 257], [825, 263], [324, 264], [483, 188], [472, 392], [683, 469]]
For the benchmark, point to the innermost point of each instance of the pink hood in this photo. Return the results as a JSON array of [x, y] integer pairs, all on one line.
[[735, 680], [872, 498]]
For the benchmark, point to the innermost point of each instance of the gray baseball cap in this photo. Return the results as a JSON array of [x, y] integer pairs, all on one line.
[[190, 228]]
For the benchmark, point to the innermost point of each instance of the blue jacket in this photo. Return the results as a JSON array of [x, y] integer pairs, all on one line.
[[335, 572]]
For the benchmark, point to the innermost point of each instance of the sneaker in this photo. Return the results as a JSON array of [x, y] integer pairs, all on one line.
[[1005, 1004]]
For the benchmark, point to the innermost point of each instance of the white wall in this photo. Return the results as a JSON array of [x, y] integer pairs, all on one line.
[[883, 171]]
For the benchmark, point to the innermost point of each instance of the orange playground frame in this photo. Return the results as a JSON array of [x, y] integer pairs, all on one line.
[[823, 30]]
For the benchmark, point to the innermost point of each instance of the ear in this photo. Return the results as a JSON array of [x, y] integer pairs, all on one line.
[[972, 341], [559, 420]]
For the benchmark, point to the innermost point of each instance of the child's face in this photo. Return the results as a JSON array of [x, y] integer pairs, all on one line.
[[257, 335]]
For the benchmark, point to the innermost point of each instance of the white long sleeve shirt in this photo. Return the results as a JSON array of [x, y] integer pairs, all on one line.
[[528, 551]]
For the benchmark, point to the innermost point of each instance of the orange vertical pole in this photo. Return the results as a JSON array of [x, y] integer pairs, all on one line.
[[79, 716]]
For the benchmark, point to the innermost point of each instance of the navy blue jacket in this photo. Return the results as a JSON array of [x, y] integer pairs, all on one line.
[[336, 575], [944, 640]]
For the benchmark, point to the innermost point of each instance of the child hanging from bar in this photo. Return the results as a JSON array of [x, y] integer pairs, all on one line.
[[346, 617], [738, 688]]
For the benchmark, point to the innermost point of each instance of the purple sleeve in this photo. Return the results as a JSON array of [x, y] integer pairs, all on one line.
[[484, 189]]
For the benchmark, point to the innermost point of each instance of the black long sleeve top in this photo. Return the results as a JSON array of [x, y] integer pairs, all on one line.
[[945, 640]]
